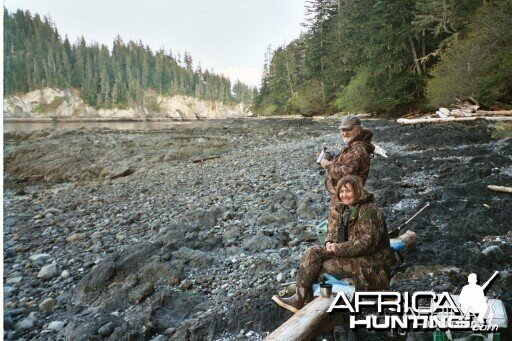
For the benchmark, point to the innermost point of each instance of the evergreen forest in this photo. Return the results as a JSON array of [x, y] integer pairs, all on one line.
[[391, 57], [36, 56]]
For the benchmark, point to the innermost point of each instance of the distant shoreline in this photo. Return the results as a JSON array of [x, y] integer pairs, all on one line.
[[89, 119], [150, 119]]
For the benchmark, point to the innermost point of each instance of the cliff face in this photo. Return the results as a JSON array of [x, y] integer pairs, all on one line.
[[67, 105]]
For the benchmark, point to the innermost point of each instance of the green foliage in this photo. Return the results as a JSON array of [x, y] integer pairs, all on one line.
[[44, 108], [307, 102], [378, 55], [480, 64], [502, 130], [151, 102], [355, 96], [35, 56]]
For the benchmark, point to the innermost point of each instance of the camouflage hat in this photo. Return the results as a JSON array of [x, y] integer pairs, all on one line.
[[349, 121]]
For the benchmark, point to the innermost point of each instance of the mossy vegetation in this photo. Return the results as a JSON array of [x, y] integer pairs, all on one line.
[[45, 108], [502, 130]]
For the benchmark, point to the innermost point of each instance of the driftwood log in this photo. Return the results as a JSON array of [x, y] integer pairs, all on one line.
[[494, 113], [501, 189], [451, 119], [206, 159], [311, 320]]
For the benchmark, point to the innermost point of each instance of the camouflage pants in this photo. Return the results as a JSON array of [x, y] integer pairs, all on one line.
[[368, 274]]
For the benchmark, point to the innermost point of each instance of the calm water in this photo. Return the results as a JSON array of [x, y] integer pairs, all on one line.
[[31, 126]]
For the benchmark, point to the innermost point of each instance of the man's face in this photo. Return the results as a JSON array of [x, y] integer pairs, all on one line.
[[348, 134]]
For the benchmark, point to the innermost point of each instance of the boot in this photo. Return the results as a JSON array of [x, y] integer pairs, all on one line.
[[295, 302]]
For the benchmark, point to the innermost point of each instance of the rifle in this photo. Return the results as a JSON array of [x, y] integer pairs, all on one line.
[[396, 231]]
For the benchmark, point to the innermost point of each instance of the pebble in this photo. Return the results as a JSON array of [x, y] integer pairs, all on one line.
[[48, 271], [56, 325], [14, 280], [75, 237], [40, 258], [47, 305], [280, 277]]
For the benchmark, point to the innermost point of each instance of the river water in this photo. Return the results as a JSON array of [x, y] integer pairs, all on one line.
[[126, 125]]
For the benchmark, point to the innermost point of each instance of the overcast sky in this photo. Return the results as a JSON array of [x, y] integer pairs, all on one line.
[[228, 36]]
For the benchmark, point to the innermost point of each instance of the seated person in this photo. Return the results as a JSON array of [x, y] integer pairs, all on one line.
[[356, 246]]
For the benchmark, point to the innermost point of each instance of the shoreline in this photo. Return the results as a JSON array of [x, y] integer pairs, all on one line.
[[89, 119], [364, 117]]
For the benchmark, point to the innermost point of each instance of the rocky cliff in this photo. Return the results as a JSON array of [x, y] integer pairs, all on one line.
[[49, 104]]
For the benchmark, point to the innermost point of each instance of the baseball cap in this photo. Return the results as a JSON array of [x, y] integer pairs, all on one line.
[[349, 121]]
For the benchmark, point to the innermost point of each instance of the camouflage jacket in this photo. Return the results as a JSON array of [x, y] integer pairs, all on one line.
[[354, 159], [367, 234]]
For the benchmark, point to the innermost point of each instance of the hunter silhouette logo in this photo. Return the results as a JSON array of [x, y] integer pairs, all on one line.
[[472, 299], [422, 309]]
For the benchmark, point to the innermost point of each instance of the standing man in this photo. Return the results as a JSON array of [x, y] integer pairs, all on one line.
[[354, 159]]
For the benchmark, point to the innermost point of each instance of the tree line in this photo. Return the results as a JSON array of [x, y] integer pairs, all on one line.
[[391, 57], [35, 56]]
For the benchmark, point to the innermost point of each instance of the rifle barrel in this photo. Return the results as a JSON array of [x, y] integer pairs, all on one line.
[[486, 284], [414, 216]]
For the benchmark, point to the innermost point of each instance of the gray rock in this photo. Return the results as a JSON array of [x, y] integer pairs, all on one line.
[[280, 277], [76, 237], [40, 258], [307, 236], [294, 243], [281, 217], [9, 291], [56, 325], [230, 236], [48, 271], [195, 258], [14, 280], [285, 199], [139, 293], [283, 252], [106, 329], [259, 243], [117, 171], [310, 208], [200, 219], [47, 305], [24, 326], [185, 285], [228, 215], [52, 211], [495, 254]]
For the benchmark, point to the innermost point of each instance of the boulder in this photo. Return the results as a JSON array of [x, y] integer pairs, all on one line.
[[259, 243]]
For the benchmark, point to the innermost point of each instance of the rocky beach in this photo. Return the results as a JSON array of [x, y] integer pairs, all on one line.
[[186, 232]]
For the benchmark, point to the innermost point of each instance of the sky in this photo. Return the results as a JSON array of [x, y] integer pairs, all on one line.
[[228, 36]]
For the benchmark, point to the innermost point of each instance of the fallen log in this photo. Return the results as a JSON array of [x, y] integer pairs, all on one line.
[[206, 159], [494, 113], [501, 189], [451, 119], [462, 113], [309, 321]]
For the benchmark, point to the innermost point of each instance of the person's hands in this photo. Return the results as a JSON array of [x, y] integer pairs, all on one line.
[[330, 247], [324, 163]]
